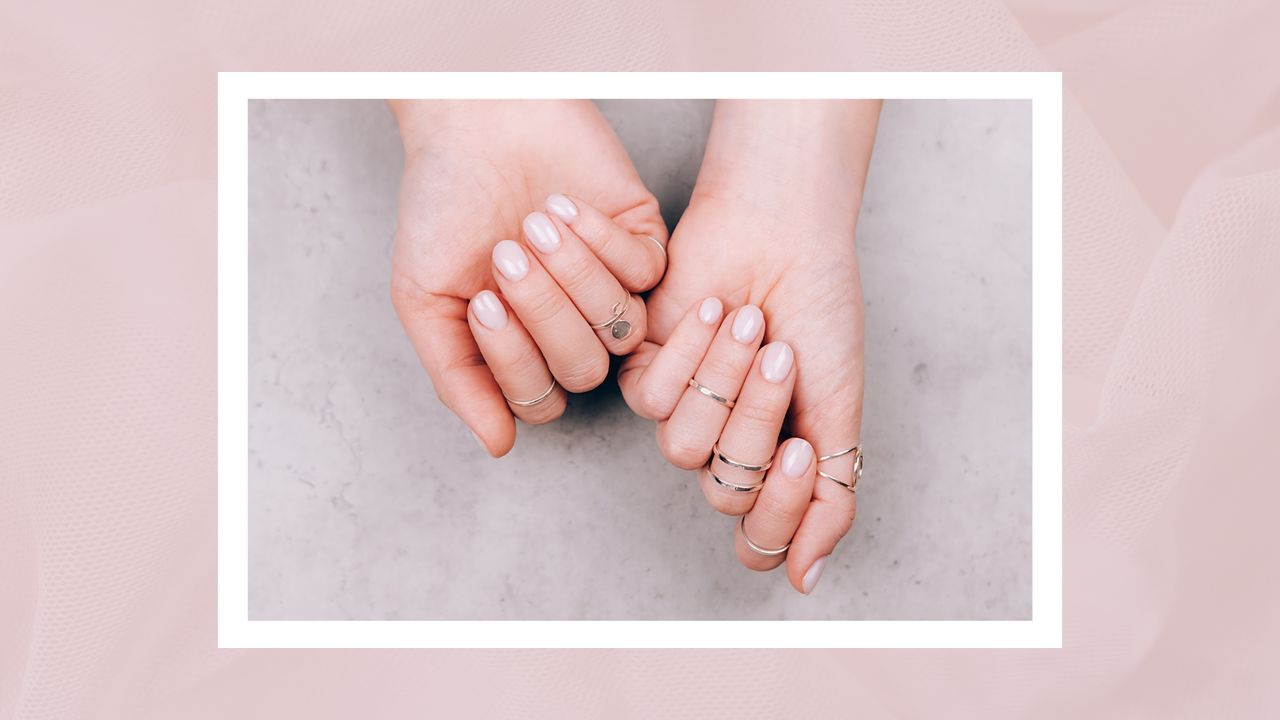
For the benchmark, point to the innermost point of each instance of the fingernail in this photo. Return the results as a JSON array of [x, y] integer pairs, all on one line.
[[795, 459], [814, 574], [710, 311], [776, 363], [542, 232], [510, 260], [562, 207], [489, 310], [747, 325]]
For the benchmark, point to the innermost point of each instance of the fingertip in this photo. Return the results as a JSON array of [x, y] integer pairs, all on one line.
[[710, 311]]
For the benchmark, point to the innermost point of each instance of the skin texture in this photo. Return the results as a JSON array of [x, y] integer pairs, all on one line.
[[772, 222], [473, 172]]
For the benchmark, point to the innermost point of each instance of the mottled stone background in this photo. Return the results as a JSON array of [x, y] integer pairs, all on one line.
[[369, 500]]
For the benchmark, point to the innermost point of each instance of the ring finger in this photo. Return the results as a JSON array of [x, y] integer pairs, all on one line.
[[573, 352], [617, 316]]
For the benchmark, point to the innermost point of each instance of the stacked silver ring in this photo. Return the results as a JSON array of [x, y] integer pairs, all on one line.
[[749, 467]]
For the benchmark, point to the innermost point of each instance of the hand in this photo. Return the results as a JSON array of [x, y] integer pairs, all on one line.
[[477, 173], [771, 223]]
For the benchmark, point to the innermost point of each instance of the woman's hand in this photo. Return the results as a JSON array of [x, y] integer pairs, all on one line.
[[771, 224], [504, 327]]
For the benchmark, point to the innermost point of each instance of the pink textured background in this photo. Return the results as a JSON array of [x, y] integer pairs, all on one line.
[[107, 375]]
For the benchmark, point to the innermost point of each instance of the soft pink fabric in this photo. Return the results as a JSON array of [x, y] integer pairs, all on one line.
[[1172, 351]]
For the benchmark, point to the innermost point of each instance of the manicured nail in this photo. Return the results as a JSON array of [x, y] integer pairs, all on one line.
[[776, 363], [542, 232], [795, 459], [748, 324], [562, 207], [489, 310], [814, 574], [510, 260], [710, 311]]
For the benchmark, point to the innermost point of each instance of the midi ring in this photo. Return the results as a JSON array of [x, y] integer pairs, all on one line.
[[749, 467], [710, 393], [754, 487], [617, 327], [857, 468], [661, 247], [767, 552], [535, 401]]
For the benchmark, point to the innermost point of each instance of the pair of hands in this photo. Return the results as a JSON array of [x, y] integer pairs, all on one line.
[[764, 252]]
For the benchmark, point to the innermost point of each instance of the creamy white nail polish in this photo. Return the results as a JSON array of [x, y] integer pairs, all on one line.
[[710, 310], [814, 573], [776, 363], [510, 260], [562, 207], [489, 310], [795, 459], [747, 325], [542, 232]]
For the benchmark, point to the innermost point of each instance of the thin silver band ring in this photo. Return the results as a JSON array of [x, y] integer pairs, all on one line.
[[749, 467], [535, 401], [661, 247], [767, 552], [755, 487], [710, 393]]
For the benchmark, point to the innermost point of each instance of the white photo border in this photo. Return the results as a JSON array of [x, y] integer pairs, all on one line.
[[236, 630]]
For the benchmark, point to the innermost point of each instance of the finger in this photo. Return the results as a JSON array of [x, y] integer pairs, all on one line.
[[588, 283], [437, 328], [695, 424], [514, 359], [654, 378], [832, 426], [573, 352], [633, 246], [751, 433], [779, 508]]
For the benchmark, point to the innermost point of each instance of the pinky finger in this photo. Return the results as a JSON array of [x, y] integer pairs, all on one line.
[[826, 521]]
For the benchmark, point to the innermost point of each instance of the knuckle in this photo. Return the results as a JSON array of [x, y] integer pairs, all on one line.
[[756, 416], [773, 510], [727, 504], [682, 452], [544, 413], [586, 374], [655, 403], [576, 273], [541, 306], [720, 369]]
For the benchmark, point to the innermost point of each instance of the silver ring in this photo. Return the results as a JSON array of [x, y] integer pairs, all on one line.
[[857, 470], [842, 453], [535, 401], [749, 467], [767, 552], [710, 393], [661, 247], [735, 487], [616, 326]]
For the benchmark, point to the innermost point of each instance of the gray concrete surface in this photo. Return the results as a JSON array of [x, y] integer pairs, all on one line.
[[369, 500]]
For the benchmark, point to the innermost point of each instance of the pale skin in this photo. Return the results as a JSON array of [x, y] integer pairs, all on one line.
[[760, 301]]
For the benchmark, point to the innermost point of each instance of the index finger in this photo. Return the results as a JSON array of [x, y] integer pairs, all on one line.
[[438, 329]]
